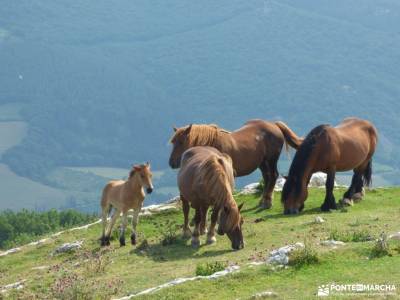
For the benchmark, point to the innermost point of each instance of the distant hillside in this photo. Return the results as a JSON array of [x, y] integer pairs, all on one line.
[[101, 84]]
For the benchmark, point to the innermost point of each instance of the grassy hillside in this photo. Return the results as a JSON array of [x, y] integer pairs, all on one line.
[[114, 272], [101, 84]]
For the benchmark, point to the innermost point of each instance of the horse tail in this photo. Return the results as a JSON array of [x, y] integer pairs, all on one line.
[[105, 205], [291, 139], [367, 174]]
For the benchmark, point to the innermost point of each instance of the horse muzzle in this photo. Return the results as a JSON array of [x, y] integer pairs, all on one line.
[[291, 211], [174, 164], [149, 190], [238, 247]]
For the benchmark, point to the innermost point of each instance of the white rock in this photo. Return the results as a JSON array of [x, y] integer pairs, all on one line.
[[318, 180], [319, 220], [332, 243], [177, 281], [41, 268], [281, 256], [173, 200], [13, 250], [39, 242], [395, 236], [250, 189], [17, 286], [69, 247], [265, 294]]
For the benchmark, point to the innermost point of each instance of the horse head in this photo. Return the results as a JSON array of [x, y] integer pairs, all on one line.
[[230, 222], [144, 176], [180, 143], [294, 194]]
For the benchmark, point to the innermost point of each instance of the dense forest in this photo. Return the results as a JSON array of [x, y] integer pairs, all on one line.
[[18, 228]]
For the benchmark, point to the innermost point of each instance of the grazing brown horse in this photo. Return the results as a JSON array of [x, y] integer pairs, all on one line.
[[124, 195], [258, 144], [348, 146], [206, 179]]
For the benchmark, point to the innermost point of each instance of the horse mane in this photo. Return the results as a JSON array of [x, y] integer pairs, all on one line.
[[132, 171], [217, 175], [202, 135], [300, 161]]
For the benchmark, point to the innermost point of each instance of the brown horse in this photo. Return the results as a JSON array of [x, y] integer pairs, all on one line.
[[206, 179], [258, 144], [348, 146], [124, 195]]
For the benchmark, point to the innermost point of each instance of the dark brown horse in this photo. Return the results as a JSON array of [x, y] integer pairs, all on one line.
[[348, 146], [258, 144], [206, 179]]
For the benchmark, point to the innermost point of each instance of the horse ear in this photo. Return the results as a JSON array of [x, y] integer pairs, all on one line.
[[147, 164], [175, 129], [189, 128], [240, 206]]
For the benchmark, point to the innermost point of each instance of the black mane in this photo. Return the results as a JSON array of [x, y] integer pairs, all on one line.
[[300, 162]]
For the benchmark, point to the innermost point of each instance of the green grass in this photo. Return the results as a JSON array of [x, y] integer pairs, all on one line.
[[132, 269]]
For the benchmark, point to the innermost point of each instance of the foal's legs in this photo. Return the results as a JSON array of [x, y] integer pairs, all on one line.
[[135, 221], [196, 231], [269, 170], [124, 222], [211, 233], [329, 202], [111, 225], [186, 208], [104, 215]]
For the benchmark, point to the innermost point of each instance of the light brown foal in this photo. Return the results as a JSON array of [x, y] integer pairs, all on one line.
[[123, 195]]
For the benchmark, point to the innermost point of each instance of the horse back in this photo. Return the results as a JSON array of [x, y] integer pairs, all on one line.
[[355, 140], [190, 182], [111, 190]]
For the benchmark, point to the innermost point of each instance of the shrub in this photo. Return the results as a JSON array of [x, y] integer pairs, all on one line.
[[303, 256], [209, 268], [381, 246], [168, 232], [351, 236]]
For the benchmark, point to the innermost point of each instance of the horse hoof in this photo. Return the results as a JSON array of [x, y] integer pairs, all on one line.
[[347, 202], [264, 205], [195, 243], [333, 206], [211, 240], [122, 242], [291, 211], [187, 233], [357, 197], [325, 208]]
